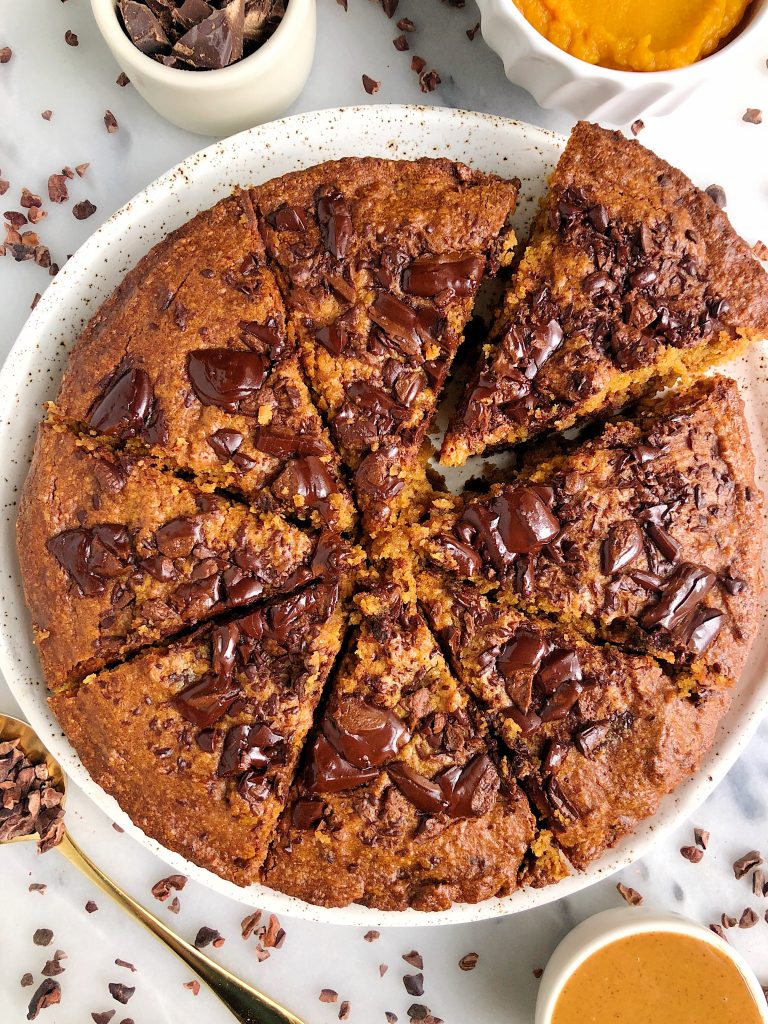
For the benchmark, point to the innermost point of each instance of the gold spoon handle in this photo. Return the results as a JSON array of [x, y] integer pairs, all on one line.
[[247, 1004]]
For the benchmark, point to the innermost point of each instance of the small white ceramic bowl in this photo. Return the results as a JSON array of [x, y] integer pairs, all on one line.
[[558, 80], [612, 925], [256, 89]]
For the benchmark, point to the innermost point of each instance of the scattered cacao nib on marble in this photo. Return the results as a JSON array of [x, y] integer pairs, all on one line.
[[119, 992], [122, 80], [328, 995], [637, 126], [406, 25], [629, 895], [83, 210], [26, 980], [31, 802], [727, 921], [372, 935], [174, 906], [126, 964], [42, 937], [344, 1009], [161, 890], [5, 54], [760, 249], [383, 968], [748, 918], [47, 115], [37, 887], [401, 43], [370, 85], [110, 122], [753, 116], [429, 81], [193, 986], [418, 64], [743, 865], [91, 907], [70, 38], [48, 993], [717, 929], [758, 883], [207, 936], [472, 32], [414, 959], [469, 961], [701, 837], [691, 853], [57, 188], [414, 984]]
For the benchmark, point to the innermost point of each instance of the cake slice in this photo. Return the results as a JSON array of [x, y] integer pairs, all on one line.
[[379, 262], [400, 802], [198, 741], [117, 554], [649, 535], [633, 278], [595, 737], [190, 358]]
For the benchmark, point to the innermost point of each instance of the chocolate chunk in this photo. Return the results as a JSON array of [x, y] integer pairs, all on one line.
[[177, 538], [249, 747], [309, 480], [307, 814], [48, 993], [466, 792], [215, 42], [125, 408], [424, 794], [92, 556], [226, 377], [458, 274], [206, 701], [664, 541], [463, 558], [225, 443], [335, 222], [328, 772], [142, 27], [621, 547], [364, 735], [192, 12], [334, 337], [516, 521], [286, 445], [288, 218], [587, 738], [681, 594]]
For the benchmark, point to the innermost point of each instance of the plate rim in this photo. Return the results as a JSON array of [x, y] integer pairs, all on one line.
[[674, 808]]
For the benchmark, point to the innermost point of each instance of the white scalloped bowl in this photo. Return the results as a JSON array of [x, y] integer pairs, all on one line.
[[559, 81], [32, 373]]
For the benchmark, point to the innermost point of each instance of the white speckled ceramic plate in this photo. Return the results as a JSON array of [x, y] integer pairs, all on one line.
[[32, 372]]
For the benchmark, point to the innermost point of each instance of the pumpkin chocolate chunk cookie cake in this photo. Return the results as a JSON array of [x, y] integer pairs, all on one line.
[[291, 657]]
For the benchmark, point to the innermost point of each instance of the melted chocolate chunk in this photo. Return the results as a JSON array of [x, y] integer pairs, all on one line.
[[328, 772], [588, 738], [207, 700], [225, 443], [459, 274], [92, 555], [515, 522], [335, 222], [177, 538], [125, 408], [364, 735], [621, 547], [249, 748], [467, 792], [681, 594], [286, 445], [288, 218], [307, 814], [225, 377], [308, 479]]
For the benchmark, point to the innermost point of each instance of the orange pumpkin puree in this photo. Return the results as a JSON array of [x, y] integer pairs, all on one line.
[[657, 978], [635, 35]]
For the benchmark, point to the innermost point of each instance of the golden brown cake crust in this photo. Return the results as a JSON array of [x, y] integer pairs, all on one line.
[[418, 815], [198, 741], [633, 278], [379, 262], [117, 554], [649, 535], [485, 721]]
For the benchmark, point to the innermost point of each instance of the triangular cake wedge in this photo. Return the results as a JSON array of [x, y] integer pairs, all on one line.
[[379, 262], [400, 802], [198, 741], [117, 554], [190, 358], [596, 737], [649, 535], [633, 278]]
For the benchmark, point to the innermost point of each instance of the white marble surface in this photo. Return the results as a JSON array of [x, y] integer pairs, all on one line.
[[710, 141]]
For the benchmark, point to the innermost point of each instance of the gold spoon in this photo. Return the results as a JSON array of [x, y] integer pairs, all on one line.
[[246, 1003]]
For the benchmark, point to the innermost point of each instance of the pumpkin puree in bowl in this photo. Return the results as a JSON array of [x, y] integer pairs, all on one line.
[[635, 35]]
